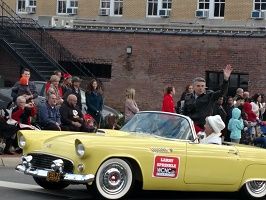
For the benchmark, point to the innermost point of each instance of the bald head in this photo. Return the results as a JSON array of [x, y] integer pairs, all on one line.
[[72, 100]]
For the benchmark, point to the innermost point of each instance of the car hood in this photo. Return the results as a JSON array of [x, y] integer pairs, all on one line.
[[61, 142], [102, 135]]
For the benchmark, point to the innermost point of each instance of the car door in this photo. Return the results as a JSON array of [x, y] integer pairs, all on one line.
[[212, 164]]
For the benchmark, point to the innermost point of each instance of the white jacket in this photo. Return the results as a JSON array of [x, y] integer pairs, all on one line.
[[213, 138]]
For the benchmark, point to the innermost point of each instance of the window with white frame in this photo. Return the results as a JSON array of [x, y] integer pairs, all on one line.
[[155, 5], [111, 7], [118, 7], [204, 4], [215, 7], [259, 5], [32, 3], [63, 5], [22, 5]]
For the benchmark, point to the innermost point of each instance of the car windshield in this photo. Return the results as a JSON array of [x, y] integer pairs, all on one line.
[[161, 124]]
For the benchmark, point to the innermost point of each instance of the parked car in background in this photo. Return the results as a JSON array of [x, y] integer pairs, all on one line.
[[6, 99], [155, 150]]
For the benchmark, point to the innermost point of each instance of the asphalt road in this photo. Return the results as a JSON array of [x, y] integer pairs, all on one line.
[[14, 185]]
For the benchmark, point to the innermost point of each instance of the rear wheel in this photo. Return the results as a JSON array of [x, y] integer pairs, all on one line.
[[50, 185], [254, 190], [114, 179]]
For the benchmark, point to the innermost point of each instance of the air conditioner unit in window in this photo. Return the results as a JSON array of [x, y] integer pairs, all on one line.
[[31, 10], [257, 14], [202, 14], [164, 13], [104, 12], [72, 11], [61, 22]]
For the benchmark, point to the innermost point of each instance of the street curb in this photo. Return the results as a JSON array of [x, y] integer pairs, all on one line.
[[9, 161]]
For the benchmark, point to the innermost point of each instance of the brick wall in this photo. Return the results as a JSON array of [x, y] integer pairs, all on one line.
[[161, 60]]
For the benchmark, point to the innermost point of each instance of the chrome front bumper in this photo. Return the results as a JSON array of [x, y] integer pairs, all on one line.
[[57, 166]]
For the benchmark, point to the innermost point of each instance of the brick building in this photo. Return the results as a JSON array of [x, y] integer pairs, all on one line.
[[172, 42]]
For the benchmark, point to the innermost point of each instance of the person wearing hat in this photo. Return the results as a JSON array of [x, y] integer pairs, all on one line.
[[75, 89], [67, 83], [212, 130]]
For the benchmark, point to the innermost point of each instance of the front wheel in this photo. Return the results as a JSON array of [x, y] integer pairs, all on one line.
[[114, 179], [254, 190], [50, 185]]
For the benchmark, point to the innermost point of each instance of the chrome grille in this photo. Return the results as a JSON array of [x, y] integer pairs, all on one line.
[[44, 161]]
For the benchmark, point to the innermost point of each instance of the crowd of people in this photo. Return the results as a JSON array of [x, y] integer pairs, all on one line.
[[62, 109], [216, 115], [243, 116]]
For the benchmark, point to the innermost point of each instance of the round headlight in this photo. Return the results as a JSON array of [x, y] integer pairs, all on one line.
[[21, 141], [80, 149]]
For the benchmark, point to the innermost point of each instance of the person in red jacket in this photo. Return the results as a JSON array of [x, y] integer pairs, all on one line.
[[168, 101], [22, 112]]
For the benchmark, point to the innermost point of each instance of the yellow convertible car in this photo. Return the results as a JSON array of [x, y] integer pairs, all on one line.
[[157, 150]]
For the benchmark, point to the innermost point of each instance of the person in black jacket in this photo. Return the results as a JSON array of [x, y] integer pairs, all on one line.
[[71, 115], [94, 101], [32, 88], [75, 89], [199, 104]]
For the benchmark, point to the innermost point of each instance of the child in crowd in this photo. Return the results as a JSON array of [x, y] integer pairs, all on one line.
[[236, 125], [90, 123]]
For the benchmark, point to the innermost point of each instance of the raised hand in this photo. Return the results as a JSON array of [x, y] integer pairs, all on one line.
[[227, 71]]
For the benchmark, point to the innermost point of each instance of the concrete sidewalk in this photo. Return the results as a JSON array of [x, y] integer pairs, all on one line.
[[9, 160]]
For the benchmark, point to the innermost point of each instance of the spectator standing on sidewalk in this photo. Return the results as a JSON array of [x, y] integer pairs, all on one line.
[[131, 107], [56, 88], [180, 103], [239, 93], [229, 106], [257, 107], [199, 104], [67, 83], [246, 96], [75, 89], [94, 101], [236, 125], [57, 73], [168, 101]]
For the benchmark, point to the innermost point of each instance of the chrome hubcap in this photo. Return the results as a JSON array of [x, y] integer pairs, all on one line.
[[257, 187], [114, 178]]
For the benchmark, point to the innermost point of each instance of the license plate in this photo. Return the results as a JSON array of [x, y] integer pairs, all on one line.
[[53, 176]]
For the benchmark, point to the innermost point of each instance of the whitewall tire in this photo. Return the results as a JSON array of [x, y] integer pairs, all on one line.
[[255, 189], [114, 179]]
